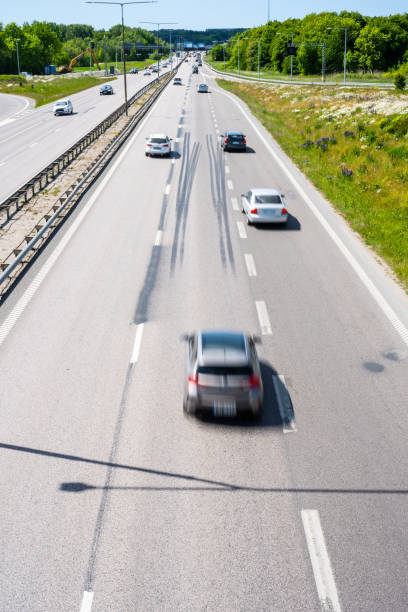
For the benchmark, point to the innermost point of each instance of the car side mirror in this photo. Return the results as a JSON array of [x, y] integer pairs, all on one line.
[[184, 337], [256, 339]]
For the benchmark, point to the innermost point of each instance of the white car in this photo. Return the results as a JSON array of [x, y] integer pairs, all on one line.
[[264, 206], [63, 107], [177, 81], [147, 73], [202, 88], [158, 144]]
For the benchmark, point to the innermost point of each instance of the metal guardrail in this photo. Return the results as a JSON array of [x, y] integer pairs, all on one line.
[[24, 255], [244, 77], [23, 195]]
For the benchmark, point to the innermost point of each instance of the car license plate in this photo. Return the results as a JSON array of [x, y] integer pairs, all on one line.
[[156, 149], [224, 408]]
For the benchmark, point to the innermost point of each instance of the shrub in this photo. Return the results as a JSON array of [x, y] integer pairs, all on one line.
[[399, 81], [396, 124], [398, 153]]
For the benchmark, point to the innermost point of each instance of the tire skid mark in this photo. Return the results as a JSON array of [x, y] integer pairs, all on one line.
[[218, 193], [184, 188]]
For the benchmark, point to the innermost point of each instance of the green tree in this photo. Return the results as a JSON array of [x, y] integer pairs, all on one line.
[[370, 47]]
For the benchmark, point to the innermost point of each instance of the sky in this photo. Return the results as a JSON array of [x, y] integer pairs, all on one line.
[[189, 14]]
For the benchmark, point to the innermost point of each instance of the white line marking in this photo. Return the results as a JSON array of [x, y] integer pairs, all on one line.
[[322, 570], [284, 404], [263, 317], [241, 229], [217, 130], [86, 604], [2, 163], [6, 121], [20, 132], [173, 161], [14, 315], [180, 125], [234, 203], [364, 278], [227, 169], [137, 344], [57, 130], [33, 144], [167, 190], [158, 240], [230, 185], [250, 264]]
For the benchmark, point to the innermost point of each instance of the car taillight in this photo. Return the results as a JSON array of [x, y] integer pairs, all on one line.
[[254, 211], [165, 145], [148, 144], [226, 141], [254, 382], [244, 140], [284, 211]]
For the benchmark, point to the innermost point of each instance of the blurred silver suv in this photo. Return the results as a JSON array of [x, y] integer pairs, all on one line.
[[223, 377]]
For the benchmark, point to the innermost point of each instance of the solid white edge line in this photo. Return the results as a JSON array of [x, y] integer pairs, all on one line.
[[241, 230], [364, 278], [137, 343], [288, 424], [14, 315], [158, 239], [263, 317], [227, 169], [250, 264], [230, 185], [322, 570], [234, 203], [86, 604]]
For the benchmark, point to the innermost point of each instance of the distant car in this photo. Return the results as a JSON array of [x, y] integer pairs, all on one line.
[[177, 81], [106, 90], [147, 72], [264, 206], [202, 88], [186, 60], [223, 377], [195, 69], [133, 71], [155, 69], [233, 141], [158, 144], [63, 107]]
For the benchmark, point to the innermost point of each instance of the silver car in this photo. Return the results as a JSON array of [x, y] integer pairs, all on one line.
[[264, 206], [202, 88], [158, 144], [223, 377], [63, 107]]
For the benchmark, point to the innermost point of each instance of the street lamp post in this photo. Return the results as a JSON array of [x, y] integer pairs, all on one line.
[[121, 4], [18, 58], [159, 23], [345, 48]]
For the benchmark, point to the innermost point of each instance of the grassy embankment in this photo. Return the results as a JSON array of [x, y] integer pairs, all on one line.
[[140, 64], [375, 77], [361, 163], [47, 90]]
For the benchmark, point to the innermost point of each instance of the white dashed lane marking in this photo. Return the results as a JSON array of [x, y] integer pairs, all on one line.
[[167, 190], [322, 570], [137, 343], [227, 169], [241, 229], [263, 317], [234, 203], [86, 604], [230, 185], [158, 240], [250, 264]]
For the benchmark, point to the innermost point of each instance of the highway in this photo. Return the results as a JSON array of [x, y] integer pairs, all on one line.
[[112, 499], [31, 138]]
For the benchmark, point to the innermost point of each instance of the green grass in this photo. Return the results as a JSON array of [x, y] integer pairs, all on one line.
[[331, 78], [48, 90], [373, 198]]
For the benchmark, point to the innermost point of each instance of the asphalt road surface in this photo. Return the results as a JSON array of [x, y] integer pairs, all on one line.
[[31, 138], [112, 499]]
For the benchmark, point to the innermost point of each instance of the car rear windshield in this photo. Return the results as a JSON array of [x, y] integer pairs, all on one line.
[[236, 137], [223, 341], [268, 199], [225, 370], [158, 140], [62, 103]]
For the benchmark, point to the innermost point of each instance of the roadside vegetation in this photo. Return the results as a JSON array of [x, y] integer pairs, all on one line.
[[353, 145], [47, 89], [374, 44]]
